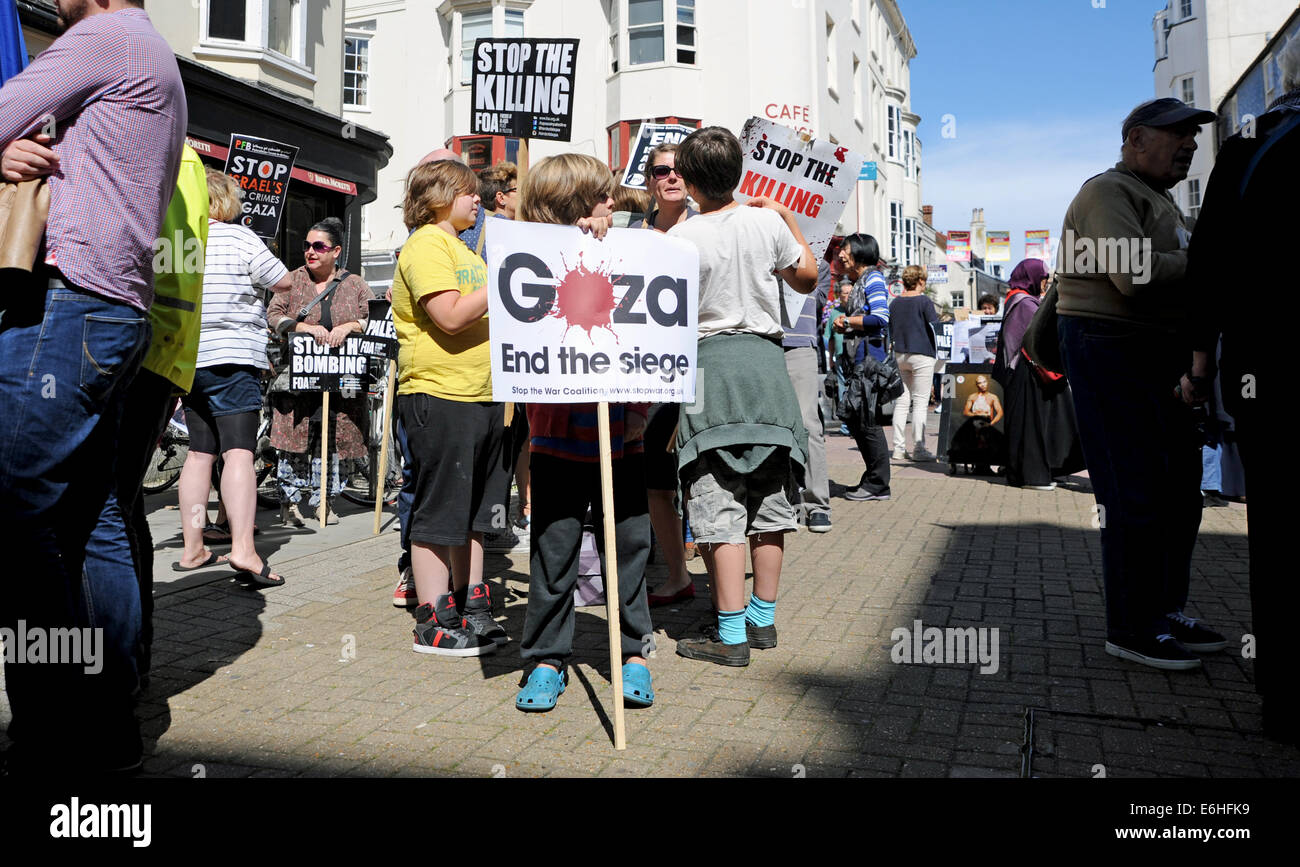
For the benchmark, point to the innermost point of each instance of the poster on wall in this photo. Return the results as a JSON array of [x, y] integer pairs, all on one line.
[[523, 88], [262, 168], [936, 275], [812, 178], [1038, 245], [650, 136]]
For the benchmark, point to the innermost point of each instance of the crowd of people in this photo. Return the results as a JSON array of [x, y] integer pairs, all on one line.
[[97, 343]]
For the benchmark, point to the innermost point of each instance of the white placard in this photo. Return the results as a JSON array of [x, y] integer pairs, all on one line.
[[814, 179], [576, 320]]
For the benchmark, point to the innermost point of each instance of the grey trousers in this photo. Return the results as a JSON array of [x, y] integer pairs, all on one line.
[[801, 363]]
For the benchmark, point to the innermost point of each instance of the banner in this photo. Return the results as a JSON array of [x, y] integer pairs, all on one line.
[[262, 168], [523, 88], [651, 134], [936, 275], [959, 246], [998, 246], [1038, 244], [943, 339], [315, 367], [975, 340], [576, 320], [814, 179]]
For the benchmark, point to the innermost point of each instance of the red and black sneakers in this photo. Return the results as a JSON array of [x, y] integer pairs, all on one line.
[[439, 631], [477, 615]]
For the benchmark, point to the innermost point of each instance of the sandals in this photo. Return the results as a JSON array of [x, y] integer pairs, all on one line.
[[219, 532], [260, 579], [213, 560], [544, 687], [637, 688]]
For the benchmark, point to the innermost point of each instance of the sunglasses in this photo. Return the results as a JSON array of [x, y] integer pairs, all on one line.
[[661, 172], [319, 246]]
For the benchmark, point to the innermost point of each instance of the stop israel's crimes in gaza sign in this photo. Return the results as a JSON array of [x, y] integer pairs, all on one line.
[[577, 320]]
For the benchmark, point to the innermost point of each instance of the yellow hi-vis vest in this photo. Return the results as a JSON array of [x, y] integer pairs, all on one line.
[[178, 277]]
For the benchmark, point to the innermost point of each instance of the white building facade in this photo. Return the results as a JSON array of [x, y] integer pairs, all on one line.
[[1201, 48], [837, 69]]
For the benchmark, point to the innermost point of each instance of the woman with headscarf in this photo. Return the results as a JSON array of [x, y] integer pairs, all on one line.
[[1042, 438]]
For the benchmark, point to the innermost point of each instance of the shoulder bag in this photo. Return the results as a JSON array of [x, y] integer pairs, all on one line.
[[24, 209]]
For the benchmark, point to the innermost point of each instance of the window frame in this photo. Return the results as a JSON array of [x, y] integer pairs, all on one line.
[[1186, 10], [895, 229], [356, 32], [257, 20], [893, 132], [1186, 83], [670, 28], [1194, 197]]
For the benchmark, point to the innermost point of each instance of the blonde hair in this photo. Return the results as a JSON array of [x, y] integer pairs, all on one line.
[[225, 198], [563, 189], [632, 200], [912, 275], [431, 188]]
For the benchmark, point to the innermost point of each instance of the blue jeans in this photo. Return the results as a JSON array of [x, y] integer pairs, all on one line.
[[405, 497], [1211, 475], [66, 360], [1144, 460]]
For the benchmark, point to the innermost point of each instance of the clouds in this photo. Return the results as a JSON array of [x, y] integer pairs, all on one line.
[[1022, 173]]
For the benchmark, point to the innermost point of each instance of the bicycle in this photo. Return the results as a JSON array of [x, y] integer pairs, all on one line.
[[169, 456]]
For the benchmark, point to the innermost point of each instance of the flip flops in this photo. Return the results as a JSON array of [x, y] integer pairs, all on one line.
[[213, 560], [260, 579], [544, 688], [637, 688]]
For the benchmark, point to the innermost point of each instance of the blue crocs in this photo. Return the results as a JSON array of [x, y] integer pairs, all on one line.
[[637, 688], [544, 687]]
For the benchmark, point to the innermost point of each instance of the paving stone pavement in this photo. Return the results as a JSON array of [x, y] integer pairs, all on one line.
[[317, 678]]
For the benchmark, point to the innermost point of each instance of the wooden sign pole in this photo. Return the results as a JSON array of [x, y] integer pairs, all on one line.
[[324, 459], [612, 594], [380, 480]]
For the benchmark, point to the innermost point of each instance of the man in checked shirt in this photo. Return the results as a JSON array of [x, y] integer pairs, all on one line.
[[71, 339]]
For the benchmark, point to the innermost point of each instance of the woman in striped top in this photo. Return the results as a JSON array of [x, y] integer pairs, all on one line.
[[224, 405]]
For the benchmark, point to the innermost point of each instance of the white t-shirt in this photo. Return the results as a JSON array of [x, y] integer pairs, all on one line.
[[740, 248], [237, 265]]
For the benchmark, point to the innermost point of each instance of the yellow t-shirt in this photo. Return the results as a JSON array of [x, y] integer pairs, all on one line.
[[429, 360]]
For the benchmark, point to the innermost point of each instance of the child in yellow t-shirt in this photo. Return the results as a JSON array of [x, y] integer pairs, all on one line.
[[455, 432]]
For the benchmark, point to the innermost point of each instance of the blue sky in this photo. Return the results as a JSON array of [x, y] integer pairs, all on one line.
[[1038, 89]]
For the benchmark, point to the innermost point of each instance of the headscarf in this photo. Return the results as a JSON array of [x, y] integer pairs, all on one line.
[[1028, 276], [1026, 279]]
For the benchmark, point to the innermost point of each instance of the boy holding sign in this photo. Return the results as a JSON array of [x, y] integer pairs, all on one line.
[[742, 444], [573, 189]]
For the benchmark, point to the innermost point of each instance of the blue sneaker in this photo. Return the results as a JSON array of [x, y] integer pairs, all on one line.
[[638, 691]]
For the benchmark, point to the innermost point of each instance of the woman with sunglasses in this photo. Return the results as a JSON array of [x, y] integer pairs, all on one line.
[[669, 209], [223, 407], [295, 423]]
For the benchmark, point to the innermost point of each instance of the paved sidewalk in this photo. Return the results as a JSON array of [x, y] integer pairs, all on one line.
[[318, 679]]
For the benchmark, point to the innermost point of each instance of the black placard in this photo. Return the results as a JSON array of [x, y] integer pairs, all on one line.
[[523, 88], [262, 169]]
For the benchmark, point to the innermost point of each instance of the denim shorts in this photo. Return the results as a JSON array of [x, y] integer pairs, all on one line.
[[225, 389]]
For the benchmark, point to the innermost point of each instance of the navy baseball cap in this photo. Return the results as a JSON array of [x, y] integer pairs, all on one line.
[[1166, 111]]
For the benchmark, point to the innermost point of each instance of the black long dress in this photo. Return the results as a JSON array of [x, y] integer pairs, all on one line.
[[1042, 435]]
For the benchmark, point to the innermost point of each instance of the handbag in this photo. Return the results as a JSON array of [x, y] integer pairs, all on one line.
[[1041, 345], [24, 209]]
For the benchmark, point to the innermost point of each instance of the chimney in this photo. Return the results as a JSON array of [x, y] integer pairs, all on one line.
[[927, 214], [977, 235]]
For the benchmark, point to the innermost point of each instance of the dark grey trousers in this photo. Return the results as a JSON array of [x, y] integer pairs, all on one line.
[[562, 492]]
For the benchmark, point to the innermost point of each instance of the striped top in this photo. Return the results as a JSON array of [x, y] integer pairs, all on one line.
[[571, 431], [114, 92], [875, 313], [237, 267]]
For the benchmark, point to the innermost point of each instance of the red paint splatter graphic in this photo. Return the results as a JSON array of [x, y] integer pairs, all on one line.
[[840, 152], [584, 298]]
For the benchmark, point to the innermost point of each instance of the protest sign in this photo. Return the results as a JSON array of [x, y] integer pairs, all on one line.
[[959, 246], [943, 332], [936, 275], [262, 169], [814, 179], [651, 135], [523, 88], [380, 336], [576, 320], [975, 340], [315, 367]]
